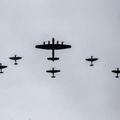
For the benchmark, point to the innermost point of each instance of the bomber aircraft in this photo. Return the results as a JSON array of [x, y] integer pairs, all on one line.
[[53, 46]]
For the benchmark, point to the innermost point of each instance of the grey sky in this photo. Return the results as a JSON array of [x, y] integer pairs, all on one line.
[[79, 92]]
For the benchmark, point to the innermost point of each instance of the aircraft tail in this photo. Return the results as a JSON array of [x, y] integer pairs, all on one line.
[[91, 65], [53, 58], [53, 77], [15, 63], [117, 76], [1, 71]]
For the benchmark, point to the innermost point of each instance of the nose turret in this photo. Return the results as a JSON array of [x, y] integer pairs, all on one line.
[[53, 38]]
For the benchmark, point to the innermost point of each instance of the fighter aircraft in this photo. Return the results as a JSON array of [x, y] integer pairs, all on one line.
[[117, 72], [2, 67], [53, 46], [91, 60], [15, 58], [53, 71]]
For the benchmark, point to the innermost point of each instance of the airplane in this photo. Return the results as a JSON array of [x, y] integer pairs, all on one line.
[[2, 67], [53, 46], [117, 72], [15, 58], [52, 71], [91, 60]]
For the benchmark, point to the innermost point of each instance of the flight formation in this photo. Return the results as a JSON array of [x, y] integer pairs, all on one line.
[[52, 46]]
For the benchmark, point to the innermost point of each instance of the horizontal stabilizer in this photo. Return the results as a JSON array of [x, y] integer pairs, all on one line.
[[53, 77], [53, 59], [117, 76], [15, 63], [91, 65]]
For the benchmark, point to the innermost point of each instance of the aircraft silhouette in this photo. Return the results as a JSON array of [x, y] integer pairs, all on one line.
[[2, 67], [117, 72], [15, 58], [52, 71], [53, 46], [91, 60]]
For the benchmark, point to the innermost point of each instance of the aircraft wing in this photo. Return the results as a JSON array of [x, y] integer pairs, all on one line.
[[15, 58], [53, 46], [115, 71], [18, 58], [93, 59], [12, 58], [50, 71], [53, 71], [61, 46], [89, 59], [1, 67]]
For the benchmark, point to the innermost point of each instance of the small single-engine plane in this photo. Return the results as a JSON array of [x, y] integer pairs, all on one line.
[[52, 71], [2, 67], [91, 60], [117, 72], [15, 58], [53, 46]]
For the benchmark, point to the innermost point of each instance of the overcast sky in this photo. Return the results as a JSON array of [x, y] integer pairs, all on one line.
[[79, 92]]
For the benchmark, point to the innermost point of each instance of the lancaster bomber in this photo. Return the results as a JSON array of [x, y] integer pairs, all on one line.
[[53, 46], [91, 60], [117, 72], [52, 71]]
